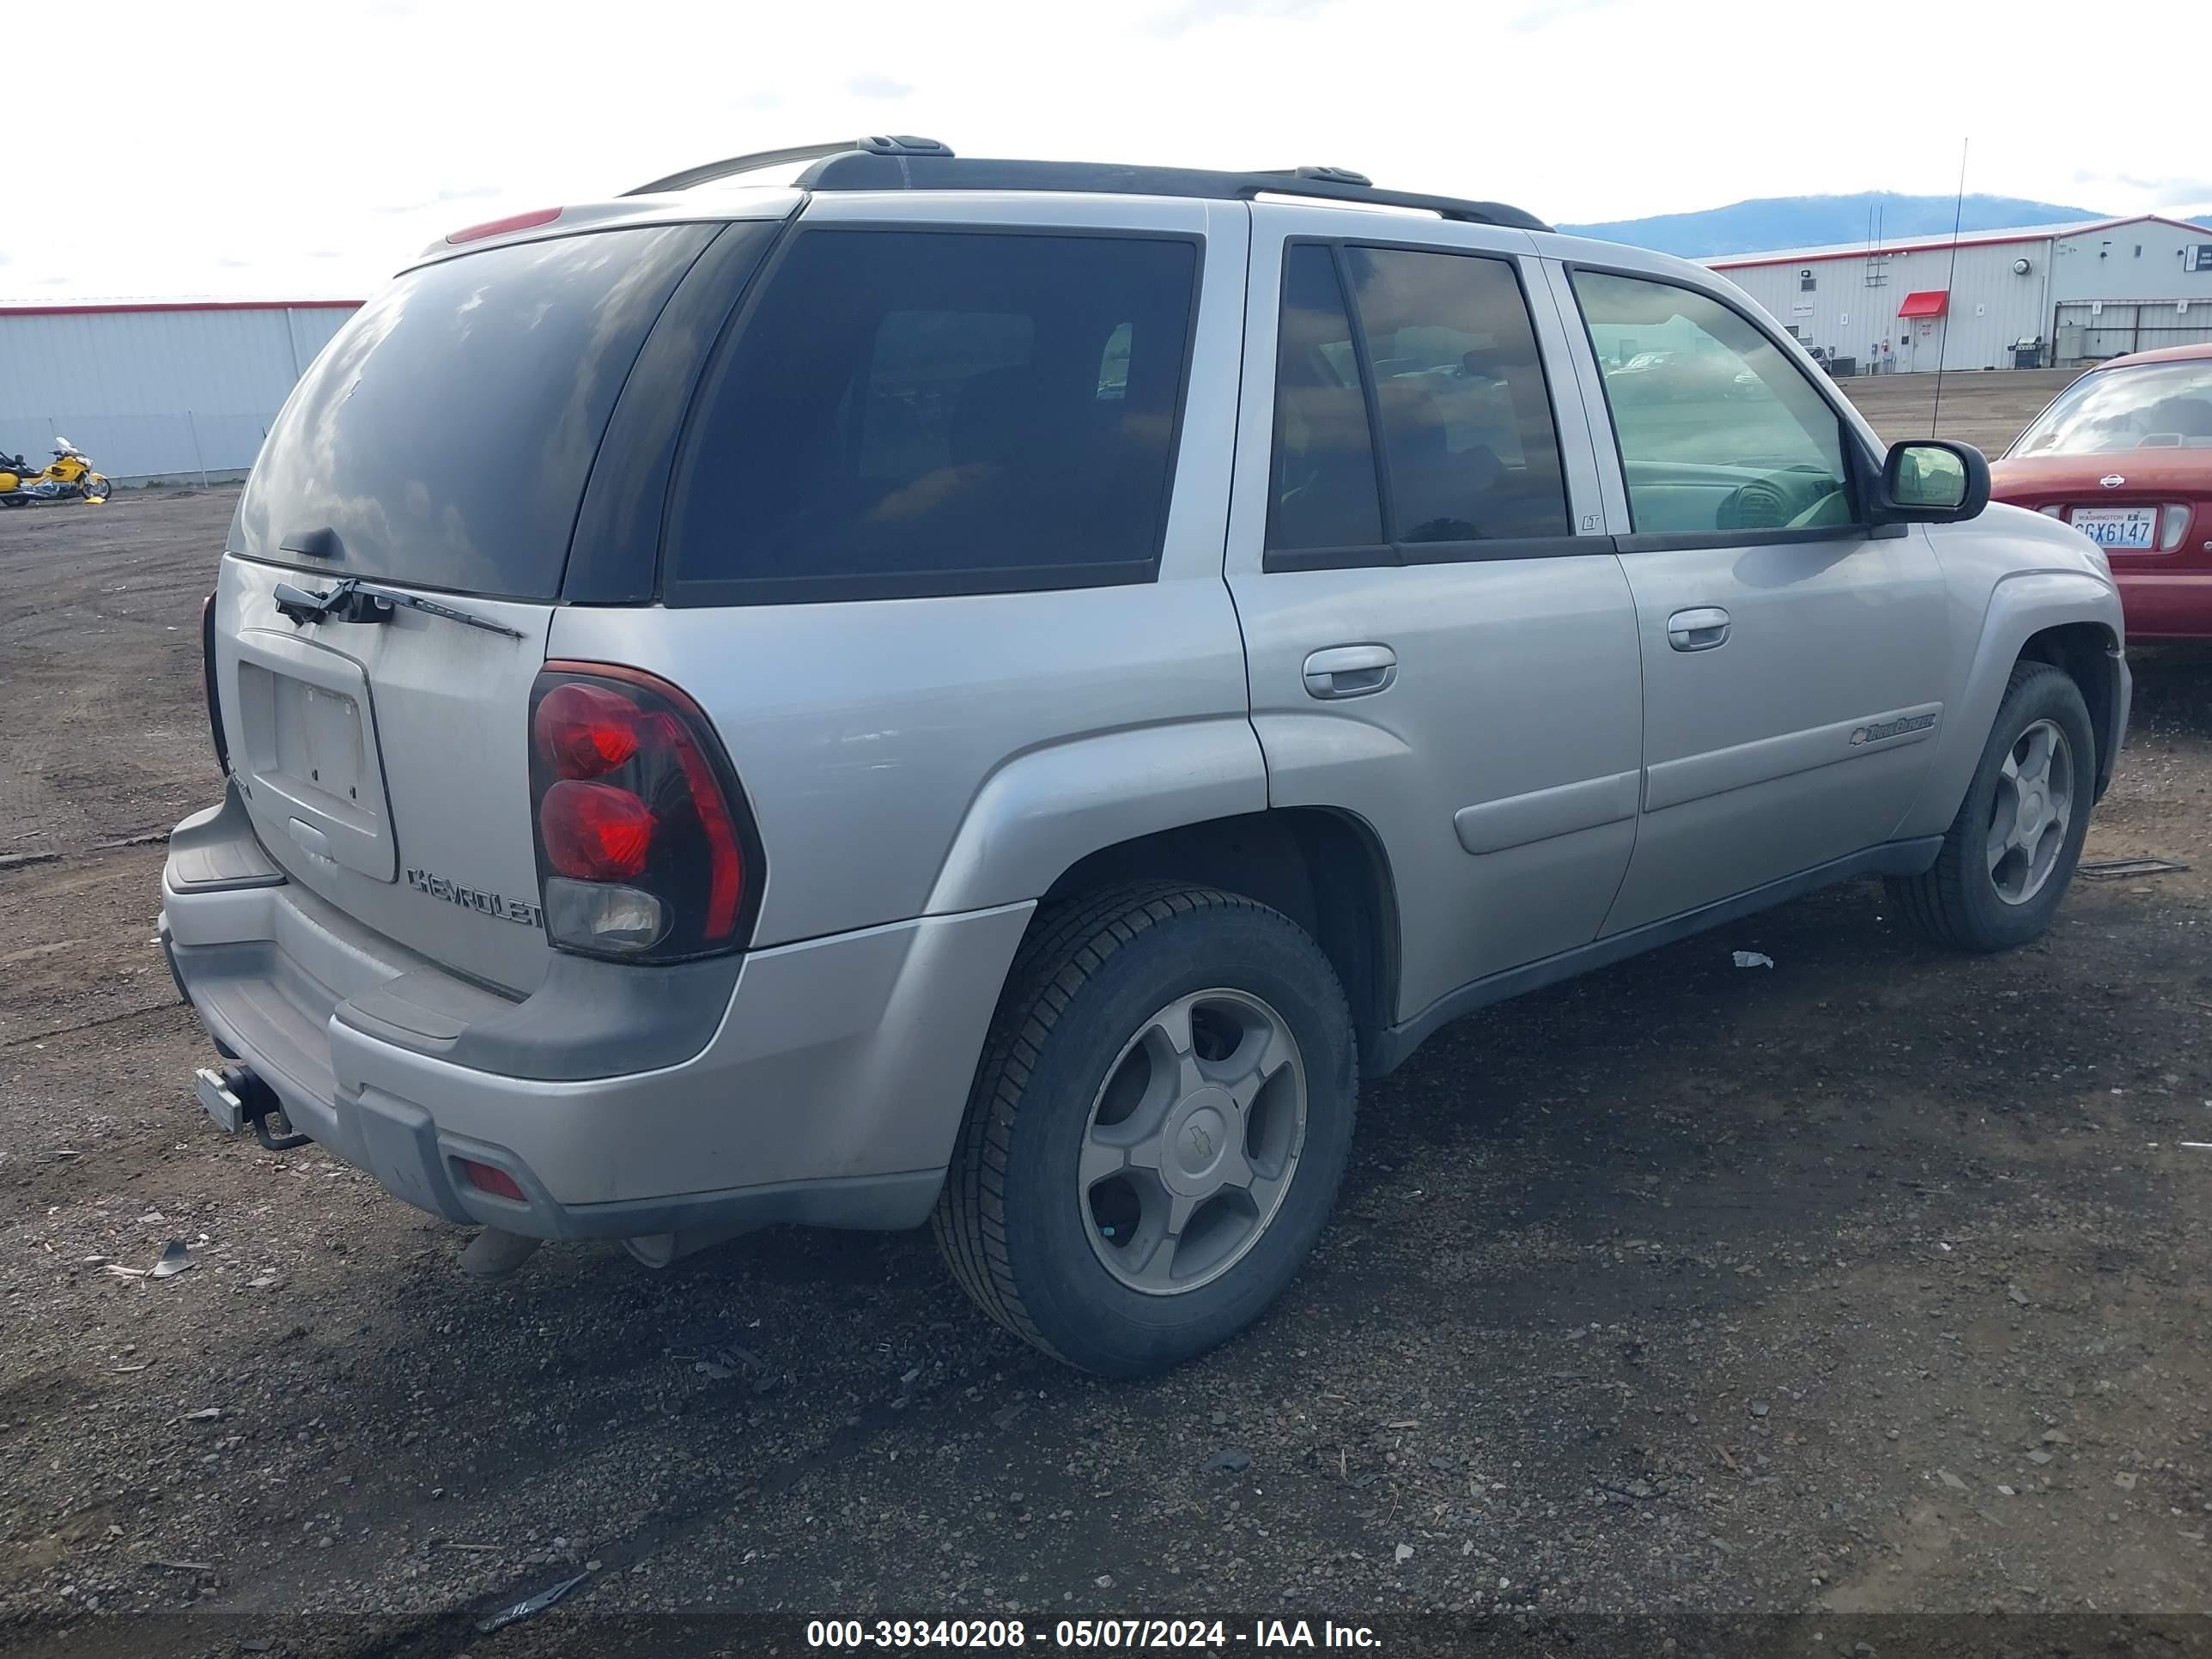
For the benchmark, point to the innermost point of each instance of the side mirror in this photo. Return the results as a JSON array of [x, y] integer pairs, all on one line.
[[1931, 481]]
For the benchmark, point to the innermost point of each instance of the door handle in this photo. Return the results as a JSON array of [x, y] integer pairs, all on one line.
[[1698, 630], [1351, 671]]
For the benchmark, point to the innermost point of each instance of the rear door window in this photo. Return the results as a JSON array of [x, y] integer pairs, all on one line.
[[1467, 419], [1325, 494], [1443, 362], [911, 412], [445, 436]]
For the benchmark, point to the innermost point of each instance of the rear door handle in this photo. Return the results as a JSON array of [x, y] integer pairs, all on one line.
[[1698, 630], [1351, 671]]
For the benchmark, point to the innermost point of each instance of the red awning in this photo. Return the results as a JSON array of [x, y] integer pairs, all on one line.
[[1929, 302]]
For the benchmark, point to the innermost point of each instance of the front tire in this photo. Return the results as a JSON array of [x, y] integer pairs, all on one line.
[[98, 489], [1161, 1116], [2010, 854]]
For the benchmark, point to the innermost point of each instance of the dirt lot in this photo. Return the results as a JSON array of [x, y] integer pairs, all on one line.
[[1985, 409], [1877, 1283]]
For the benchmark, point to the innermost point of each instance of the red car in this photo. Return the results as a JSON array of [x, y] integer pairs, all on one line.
[[2124, 455]]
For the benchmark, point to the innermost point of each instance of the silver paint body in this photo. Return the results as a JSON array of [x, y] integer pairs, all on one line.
[[1542, 767]]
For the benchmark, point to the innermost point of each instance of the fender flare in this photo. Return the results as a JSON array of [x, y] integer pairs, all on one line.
[[1043, 810], [2021, 605]]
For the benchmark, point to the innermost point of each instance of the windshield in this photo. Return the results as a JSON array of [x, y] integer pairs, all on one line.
[[2155, 406], [444, 436]]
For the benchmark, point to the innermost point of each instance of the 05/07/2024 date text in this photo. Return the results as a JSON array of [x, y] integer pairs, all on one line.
[[1214, 1634]]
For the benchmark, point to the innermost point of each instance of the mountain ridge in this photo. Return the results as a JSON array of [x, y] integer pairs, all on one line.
[[1764, 224]]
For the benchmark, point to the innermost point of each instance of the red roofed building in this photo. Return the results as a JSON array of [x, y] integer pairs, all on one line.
[[2043, 295]]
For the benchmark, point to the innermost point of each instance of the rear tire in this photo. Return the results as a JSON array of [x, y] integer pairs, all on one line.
[[1124, 1204], [2005, 863]]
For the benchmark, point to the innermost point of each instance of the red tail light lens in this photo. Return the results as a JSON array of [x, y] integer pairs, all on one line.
[[645, 850], [585, 730], [594, 831]]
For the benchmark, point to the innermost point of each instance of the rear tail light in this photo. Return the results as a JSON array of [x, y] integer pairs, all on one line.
[[645, 850], [2058, 512], [207, 679], [2173, 525]]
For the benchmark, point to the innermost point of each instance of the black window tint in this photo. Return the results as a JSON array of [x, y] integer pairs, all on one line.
[[1467, 422], [1324, 493], [921, 411], [447, 432]]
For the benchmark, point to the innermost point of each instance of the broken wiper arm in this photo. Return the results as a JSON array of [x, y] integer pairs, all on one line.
[[353, 601]]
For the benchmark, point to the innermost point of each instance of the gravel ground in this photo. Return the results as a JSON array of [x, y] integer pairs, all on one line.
[[1869, 1288]]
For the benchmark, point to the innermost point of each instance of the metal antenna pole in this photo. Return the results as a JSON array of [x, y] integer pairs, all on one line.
[[1950, 279]]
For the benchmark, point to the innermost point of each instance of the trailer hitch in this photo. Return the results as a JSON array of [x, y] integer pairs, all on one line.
[[234, 1097]]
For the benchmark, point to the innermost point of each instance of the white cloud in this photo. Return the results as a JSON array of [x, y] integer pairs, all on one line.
[[1557, 11], [877, 86], [1177, 21], [268, 131]]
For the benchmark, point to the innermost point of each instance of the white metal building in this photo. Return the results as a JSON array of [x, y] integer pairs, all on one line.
[[2046, 296], [155, 390]]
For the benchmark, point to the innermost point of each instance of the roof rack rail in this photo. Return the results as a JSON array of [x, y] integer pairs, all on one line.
[[876, 144], [902, 162], [859, 170]]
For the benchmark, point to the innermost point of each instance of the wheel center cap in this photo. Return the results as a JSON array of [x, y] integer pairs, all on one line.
[[2031, 811], [1201, 1133]]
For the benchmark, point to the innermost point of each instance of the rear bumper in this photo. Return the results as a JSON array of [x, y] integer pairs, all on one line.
[[826, 1089], [2162, 606]]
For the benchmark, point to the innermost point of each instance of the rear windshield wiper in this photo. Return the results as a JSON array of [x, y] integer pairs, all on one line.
[[353, 601]]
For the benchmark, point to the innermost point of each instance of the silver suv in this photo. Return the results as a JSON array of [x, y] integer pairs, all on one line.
[[996, 691]]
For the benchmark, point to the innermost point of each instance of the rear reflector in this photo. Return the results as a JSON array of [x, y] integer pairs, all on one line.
[[487, 1178], [500, 227]]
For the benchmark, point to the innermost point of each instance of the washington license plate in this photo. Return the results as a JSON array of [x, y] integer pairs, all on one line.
[[2118, 526]]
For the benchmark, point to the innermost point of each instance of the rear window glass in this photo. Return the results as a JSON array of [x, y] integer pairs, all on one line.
[[2154, 406], [913, 413], [445, 435]]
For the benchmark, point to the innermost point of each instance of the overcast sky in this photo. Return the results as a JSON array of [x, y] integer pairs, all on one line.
[[239, 148]]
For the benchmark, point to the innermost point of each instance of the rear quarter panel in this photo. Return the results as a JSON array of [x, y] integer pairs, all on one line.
[[916, 756]]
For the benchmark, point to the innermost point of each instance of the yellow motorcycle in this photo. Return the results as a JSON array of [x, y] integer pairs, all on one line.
[[67, 477]]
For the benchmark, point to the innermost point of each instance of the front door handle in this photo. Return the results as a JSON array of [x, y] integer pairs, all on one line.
[[1351, 671], [1698, 630]]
